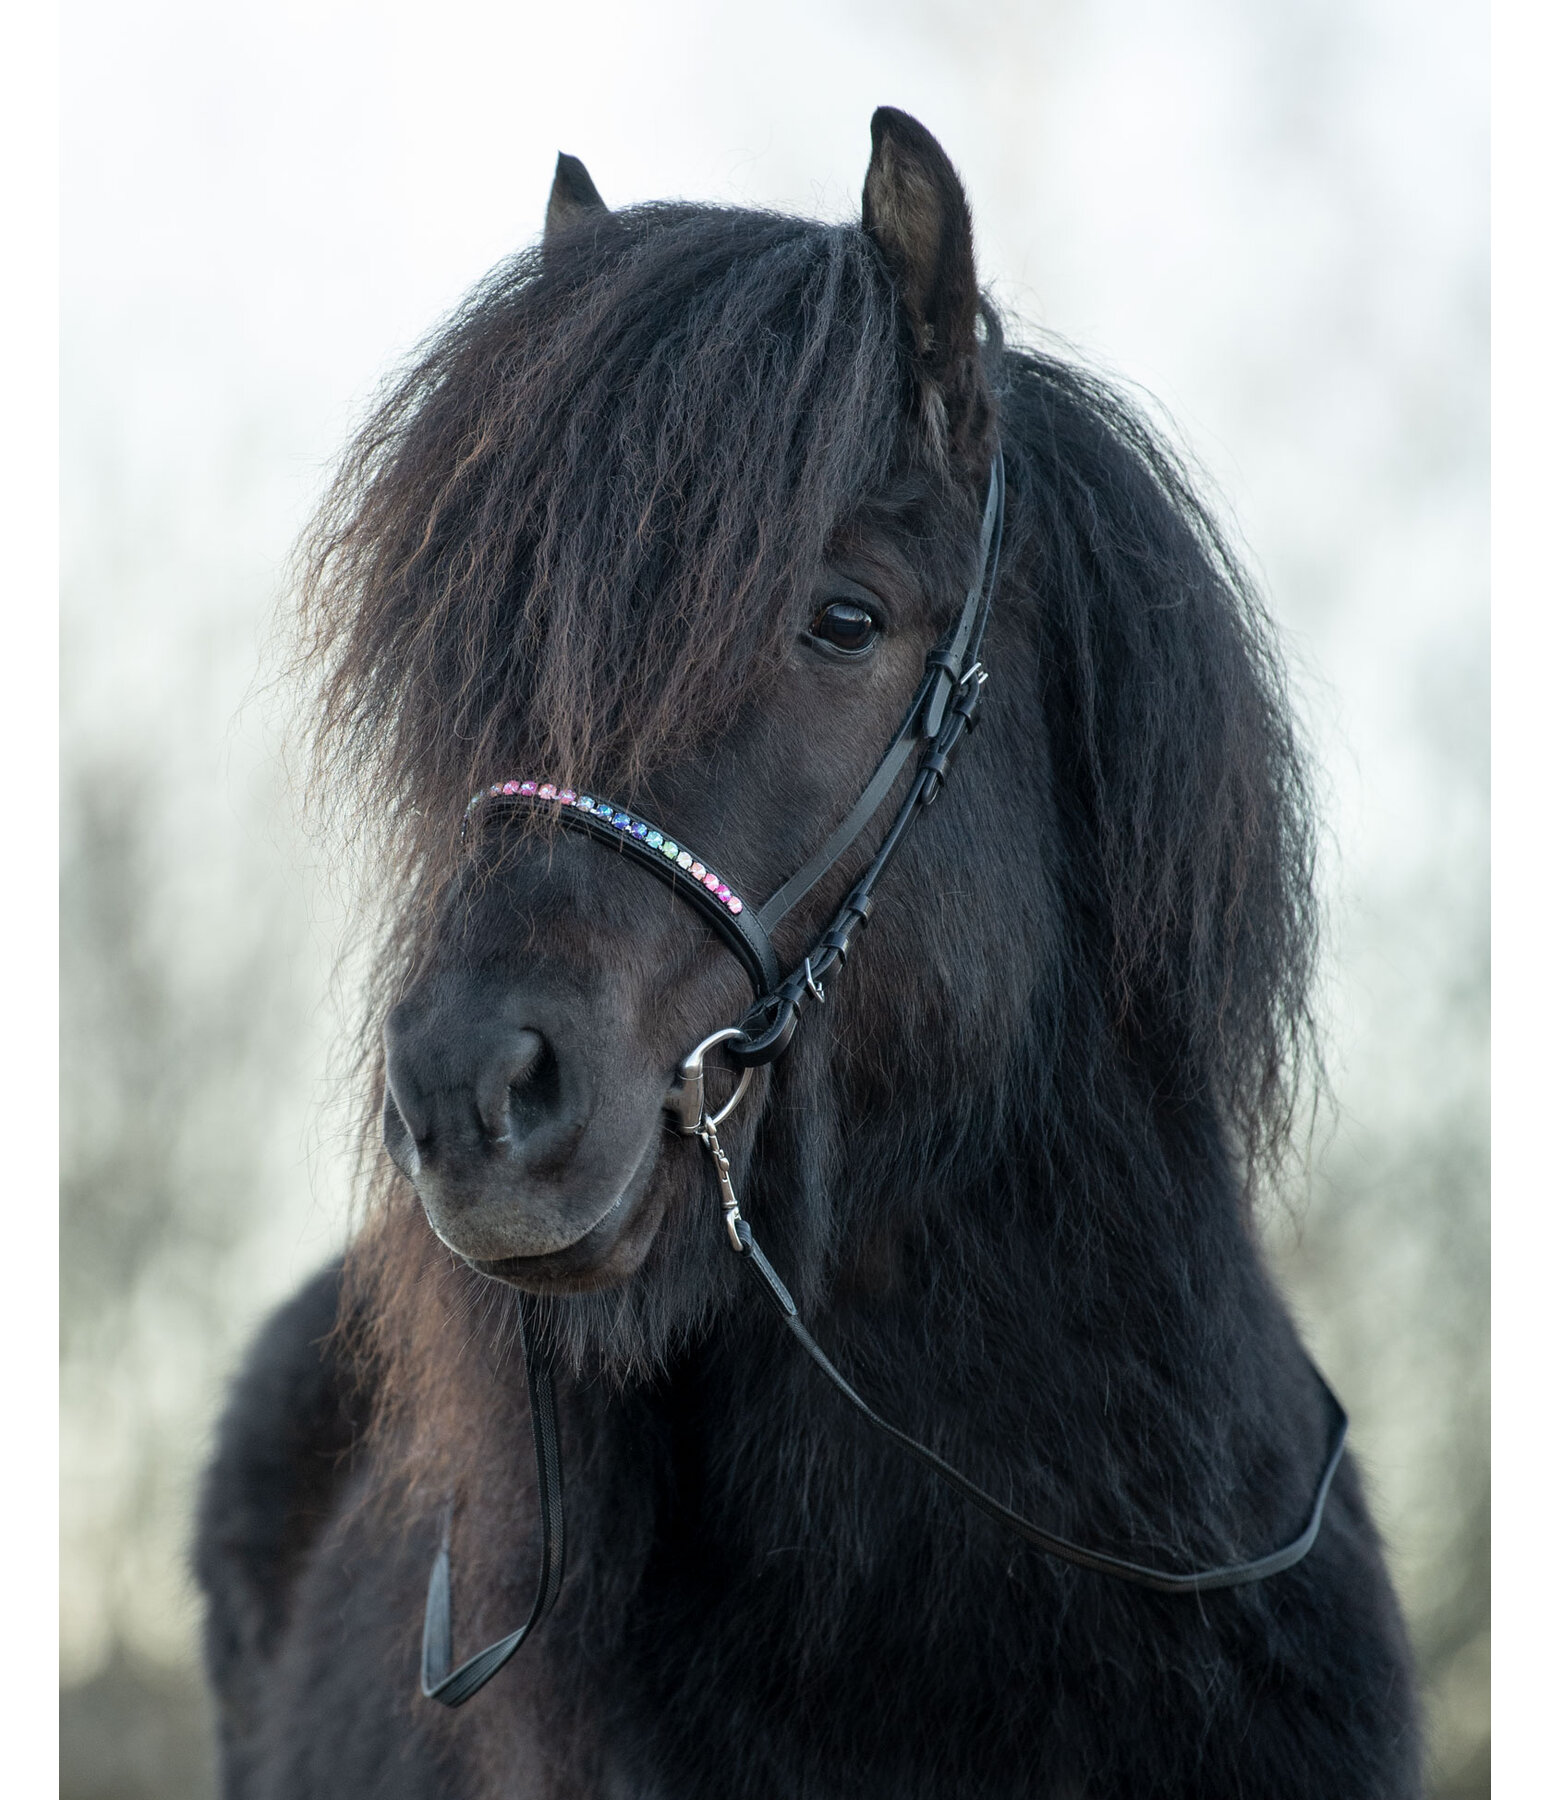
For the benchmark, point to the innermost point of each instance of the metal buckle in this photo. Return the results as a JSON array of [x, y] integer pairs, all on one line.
[[967, 697]]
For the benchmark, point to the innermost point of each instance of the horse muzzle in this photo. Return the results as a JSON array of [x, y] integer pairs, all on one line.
[[517, 1118]]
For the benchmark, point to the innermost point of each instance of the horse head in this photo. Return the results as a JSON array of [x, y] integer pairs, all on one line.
[[671, 515], [532, 1049]]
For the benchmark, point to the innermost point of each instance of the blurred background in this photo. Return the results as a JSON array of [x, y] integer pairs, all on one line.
[[1270, 218]]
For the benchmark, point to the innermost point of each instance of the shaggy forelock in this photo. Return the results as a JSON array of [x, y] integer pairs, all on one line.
[[570, 536]]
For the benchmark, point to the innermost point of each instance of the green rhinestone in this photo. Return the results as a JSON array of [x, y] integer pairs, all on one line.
[[669, 849]]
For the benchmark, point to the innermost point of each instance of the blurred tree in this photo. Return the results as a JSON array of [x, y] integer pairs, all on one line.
[[175, 1040], [1391, 1264]]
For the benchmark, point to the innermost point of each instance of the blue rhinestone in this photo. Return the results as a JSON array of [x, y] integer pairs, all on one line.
[[585, 803], [604, 810], [640, 829], [621, 821], [654, 838]]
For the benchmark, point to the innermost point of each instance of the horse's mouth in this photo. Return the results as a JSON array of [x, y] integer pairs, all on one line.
[[604, 1254]]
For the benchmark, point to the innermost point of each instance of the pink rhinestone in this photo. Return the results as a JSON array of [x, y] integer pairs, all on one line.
[[567, 796], [509, 788], [546, 792], [528, 787], [723, 892], [697, 871], [711, 881], [734, 904]]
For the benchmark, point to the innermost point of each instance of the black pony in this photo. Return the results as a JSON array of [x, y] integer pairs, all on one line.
[[674, 510]]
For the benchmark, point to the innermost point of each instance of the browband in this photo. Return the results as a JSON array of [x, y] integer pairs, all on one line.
[[650, 846]]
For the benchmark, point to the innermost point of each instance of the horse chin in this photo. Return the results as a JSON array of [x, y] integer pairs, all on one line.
[[572, 1271], [606, 1255]]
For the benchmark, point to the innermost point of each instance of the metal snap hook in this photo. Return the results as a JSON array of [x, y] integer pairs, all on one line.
[[686, 1101]]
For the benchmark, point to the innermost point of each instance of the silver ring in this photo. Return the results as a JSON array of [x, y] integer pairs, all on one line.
[[689, 1095]]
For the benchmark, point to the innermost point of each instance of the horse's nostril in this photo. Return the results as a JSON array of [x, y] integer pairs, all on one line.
[[406, 1118], [527, 1052], [516, 1085], [404, 1103], [398, 1136]]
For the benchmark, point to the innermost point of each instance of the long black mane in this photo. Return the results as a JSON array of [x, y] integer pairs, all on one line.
[[1185, 807]]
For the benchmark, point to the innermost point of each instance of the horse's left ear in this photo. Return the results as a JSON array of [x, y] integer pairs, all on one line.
[[572, 198], [914, 209]]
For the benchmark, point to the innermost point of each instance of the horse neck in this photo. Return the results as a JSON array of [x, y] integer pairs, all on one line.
[[1080, 1319]]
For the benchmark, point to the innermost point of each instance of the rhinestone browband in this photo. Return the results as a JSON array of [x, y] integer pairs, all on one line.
[[642, 830]]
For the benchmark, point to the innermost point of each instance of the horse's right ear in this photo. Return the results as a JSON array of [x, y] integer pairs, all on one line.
[[572, 198], [914, 209]]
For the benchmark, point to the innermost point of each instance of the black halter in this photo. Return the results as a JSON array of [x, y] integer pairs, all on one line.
[[942, 710], [936, 718]]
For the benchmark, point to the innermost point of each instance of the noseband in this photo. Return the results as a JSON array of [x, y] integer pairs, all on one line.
[[941, 712]]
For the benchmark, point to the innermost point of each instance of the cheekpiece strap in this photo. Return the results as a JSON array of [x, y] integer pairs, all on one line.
[[927, 711]]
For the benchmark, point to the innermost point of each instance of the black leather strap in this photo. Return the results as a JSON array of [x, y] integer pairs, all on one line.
[[452, 1687], [923, 719], [851, 826], [740, 930], [438, 1679], [771, 1022], [1165, 1581], [743, 933]]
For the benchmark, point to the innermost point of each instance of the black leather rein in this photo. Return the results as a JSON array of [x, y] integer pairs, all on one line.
[[941, 712]]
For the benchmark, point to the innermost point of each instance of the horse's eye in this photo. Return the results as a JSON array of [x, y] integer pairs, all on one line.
[[846, 626]]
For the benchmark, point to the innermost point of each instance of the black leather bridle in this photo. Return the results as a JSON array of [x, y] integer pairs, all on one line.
[[937, 718]]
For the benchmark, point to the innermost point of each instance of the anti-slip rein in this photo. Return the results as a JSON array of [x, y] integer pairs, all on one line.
[[941, 712]]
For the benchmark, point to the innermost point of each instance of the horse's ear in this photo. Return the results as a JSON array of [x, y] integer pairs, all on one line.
[[914, 209], [572, 198]]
